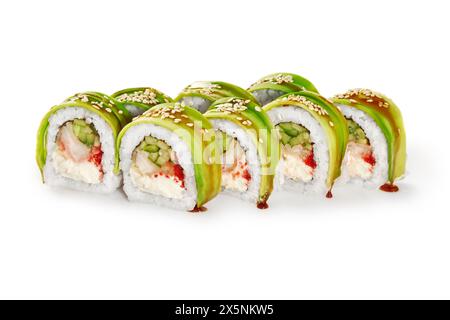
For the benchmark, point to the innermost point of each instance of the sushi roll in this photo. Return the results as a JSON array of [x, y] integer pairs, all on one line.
[[274, 85], [376, 152], [167, 158], [138, 100], [76, 143], [200, 95], [313, 135], [249, 149]]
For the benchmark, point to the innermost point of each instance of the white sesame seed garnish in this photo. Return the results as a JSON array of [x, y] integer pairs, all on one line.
[[147, 96], [366, 94], [276, 79], [190, 124], [203, 87], [308, 103]]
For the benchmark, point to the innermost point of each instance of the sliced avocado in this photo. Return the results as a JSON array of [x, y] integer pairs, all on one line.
[[150, 148], [158, 151], [76, 129], [162, 145], [150, 140], [302, 139], [84, 132], [356, 133], [164, 156], [82, 137], [284, 137], [294, 134], [289, 129], [80, 122], [153, 156], [90, 139], [296, 141]]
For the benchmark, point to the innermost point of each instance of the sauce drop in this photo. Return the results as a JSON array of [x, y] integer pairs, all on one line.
[[329, 195], [262, 205], [199, 209], [389, 187]]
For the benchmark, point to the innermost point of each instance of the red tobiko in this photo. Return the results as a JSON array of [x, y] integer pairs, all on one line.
[[96, 156], [369, 158], [309, 160], [246, 175], [179, 173]]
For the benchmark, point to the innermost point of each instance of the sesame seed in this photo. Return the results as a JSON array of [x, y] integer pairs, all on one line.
[[190, 124]]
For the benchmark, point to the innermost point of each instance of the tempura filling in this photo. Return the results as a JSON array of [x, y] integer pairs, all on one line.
[[78, 153], [359, 159], [235, 170], [297, 151], [155, 169]]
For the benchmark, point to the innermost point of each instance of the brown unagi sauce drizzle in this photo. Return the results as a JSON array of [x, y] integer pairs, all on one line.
[[199, 209], [262, 205], [329, 195], [389, 187]]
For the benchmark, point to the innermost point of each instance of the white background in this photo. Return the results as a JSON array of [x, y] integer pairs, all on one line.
[[361, 244]]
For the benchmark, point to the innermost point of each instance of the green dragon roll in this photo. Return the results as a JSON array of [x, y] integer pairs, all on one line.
[[275, 85], [249, 148], [139, 100], [200, 95], [376, 152], [167, 158], [76, 142], [313, 135]]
